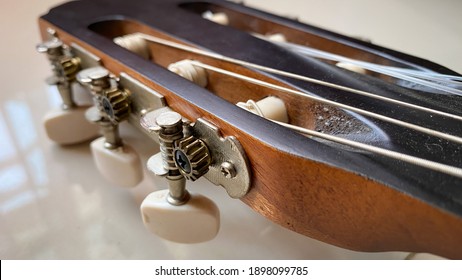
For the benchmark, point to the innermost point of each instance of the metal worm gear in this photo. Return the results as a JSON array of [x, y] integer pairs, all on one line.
[[70, 66], [192, 157], [65, 65], [115, 104]]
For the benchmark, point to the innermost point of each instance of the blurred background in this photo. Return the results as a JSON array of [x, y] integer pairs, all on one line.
[[55, 205]]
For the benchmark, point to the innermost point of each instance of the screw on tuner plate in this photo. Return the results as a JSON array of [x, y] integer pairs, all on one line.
[[116, 161], [66, 125]]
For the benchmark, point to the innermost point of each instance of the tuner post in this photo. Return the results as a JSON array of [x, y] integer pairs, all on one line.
[[117, 162], [188, 152], [111, 103], [66, 125], [64, 65], [175, 214], [183, 156], [170, 130]]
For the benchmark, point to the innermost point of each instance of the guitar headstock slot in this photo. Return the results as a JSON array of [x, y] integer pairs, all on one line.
[[301, 111], [218, 84]]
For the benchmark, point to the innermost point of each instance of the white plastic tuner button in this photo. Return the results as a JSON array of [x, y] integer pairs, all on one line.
[[120, 166], [67, 127], [196, 221]]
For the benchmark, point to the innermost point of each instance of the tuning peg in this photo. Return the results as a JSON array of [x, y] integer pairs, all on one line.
[[70, 126], [120, 166], [66, 125], [175, 214], [117, 162], [197, 220]]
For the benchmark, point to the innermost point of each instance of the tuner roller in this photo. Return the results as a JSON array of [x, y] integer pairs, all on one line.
[[277, 37], [120, 166], [135, 44], [197, 220], [274, 37], [67, 127], [351, 67], [191, 72], [270, 107], [220, 18]]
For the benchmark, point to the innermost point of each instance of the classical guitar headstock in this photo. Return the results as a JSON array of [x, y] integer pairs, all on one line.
[[329, 136]]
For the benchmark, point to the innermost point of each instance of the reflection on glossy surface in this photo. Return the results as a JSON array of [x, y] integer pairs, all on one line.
[[7, 150], [54, 204]]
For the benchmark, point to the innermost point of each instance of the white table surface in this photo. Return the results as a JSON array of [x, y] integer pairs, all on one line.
[[55, 205]]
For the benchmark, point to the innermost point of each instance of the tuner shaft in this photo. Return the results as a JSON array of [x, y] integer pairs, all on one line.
[[170, 130]]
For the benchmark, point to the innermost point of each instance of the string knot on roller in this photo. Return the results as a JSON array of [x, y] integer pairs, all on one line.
[[134, 43], [220, 18], [270, 107], [186, 69]]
